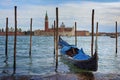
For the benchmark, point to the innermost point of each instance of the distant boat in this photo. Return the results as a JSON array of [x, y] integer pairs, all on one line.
[[112, 36], [77, 56]]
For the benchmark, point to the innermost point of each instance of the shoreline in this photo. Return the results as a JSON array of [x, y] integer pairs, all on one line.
[[65, 76]]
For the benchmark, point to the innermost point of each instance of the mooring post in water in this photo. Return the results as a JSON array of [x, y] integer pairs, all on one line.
[[6, 41], [76, 33], [92, 33], [15, 39], [56, 39], [116, 37], [96, 46], [30, 37]]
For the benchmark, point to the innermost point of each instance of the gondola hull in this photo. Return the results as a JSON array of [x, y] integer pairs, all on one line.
[[89, 65]]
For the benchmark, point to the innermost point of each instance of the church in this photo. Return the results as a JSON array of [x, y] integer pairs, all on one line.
[[63, 30]]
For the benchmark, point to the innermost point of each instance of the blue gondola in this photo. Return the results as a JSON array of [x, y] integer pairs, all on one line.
[[78, 57]]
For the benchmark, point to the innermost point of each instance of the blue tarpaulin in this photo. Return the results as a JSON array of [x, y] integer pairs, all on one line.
[[65, 47], [81, 55]]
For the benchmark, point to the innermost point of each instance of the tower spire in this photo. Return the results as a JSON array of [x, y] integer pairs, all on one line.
[[46, 22], [46, 16]]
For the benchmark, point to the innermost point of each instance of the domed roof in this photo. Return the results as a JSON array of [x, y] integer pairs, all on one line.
[[62, 25]]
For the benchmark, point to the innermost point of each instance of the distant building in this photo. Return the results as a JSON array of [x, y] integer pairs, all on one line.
[[63, 30], [11, 33], [69, 31], [83, 33], [46, 22]]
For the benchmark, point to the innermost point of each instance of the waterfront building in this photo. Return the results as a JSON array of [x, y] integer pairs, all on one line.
[[63, 30], [46, 22]]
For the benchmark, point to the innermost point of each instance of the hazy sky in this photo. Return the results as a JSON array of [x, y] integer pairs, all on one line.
[[106, 13]]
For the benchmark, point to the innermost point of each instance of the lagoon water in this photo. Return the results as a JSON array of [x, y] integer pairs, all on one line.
[[42, 61]]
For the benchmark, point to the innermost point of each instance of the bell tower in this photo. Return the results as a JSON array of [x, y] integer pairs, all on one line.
[[46, 22]]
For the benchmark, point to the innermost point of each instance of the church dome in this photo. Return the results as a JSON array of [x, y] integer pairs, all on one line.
[[62, 25]]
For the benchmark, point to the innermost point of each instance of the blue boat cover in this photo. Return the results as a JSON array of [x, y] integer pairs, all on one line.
[[81, 55], [65, 47]]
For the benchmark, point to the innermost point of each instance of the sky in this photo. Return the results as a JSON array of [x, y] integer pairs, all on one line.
[[107, 12]]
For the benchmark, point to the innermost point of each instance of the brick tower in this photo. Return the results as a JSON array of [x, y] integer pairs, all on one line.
[[46, 22]]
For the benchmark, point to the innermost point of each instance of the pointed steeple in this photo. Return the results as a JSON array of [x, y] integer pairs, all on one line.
[[46, 22], [46, 16]]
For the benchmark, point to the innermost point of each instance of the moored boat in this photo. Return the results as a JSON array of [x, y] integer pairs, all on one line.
[[112, 36], [78, 57]]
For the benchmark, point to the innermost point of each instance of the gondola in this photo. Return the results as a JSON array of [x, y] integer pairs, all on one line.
[[77, 56]]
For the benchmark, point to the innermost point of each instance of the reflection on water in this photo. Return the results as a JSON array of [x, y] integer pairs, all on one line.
[[5, 70], [42, 60], [86, 76], [81, 74]]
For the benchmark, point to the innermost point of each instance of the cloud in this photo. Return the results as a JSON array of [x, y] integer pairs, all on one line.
[[5, 2], [69, 12], [24, 13], [105, 13]]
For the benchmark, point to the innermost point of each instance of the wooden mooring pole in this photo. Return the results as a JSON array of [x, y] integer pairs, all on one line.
[[92, 33], [96, 46], [56, 39], [30, 37], [116, 37], [76, 33], [15, 39], [6, 41]]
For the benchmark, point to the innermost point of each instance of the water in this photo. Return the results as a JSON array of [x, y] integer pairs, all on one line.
[[42, 61]]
